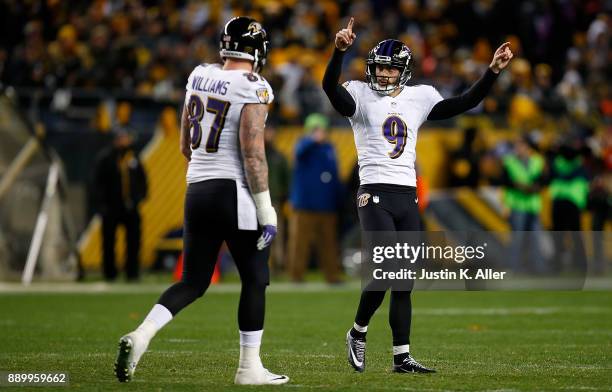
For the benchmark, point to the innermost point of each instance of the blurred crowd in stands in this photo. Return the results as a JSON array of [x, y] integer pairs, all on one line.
[[558, 84], [148, 47], [572, 172]]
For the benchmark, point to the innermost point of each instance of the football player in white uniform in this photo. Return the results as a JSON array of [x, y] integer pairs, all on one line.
[[386, 114], [227, 199]]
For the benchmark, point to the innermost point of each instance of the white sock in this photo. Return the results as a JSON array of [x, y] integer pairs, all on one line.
[[405, 348], [251, 338], [359, 328], [250, 341], [157, 318]]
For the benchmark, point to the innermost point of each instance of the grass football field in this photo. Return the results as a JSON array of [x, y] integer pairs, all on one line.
[[511, 341]]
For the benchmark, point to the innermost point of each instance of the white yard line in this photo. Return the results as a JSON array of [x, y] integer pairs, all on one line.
[[156, 288], [510, 311]]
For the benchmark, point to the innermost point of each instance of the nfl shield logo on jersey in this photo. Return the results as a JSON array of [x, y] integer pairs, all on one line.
[[375, 199]]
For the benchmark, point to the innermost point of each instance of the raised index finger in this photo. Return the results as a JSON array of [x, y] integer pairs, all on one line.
[[350, 25], [504, 46]]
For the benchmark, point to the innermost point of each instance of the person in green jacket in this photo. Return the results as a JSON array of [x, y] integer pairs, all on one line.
[[569, 191], [523, 179]]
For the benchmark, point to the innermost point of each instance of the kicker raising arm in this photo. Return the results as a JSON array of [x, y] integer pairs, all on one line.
[[456, 105], [453, 106], [340, 99]]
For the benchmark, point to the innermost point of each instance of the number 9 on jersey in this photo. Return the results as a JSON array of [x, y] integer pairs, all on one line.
[[396, 132]]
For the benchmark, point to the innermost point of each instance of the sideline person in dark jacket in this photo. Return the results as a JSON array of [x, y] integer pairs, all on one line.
[[120, 184]]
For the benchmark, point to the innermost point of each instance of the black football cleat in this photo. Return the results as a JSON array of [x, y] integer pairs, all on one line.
[[356, 352], [410, 365]]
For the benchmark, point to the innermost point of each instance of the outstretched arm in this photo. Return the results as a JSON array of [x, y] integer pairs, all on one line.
[[340, 99], [450, 107]]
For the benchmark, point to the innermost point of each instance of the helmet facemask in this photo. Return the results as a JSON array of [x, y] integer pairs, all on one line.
[[259, 59]]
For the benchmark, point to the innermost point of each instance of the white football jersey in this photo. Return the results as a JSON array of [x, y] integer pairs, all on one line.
[[214, 101], [386, 131]]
